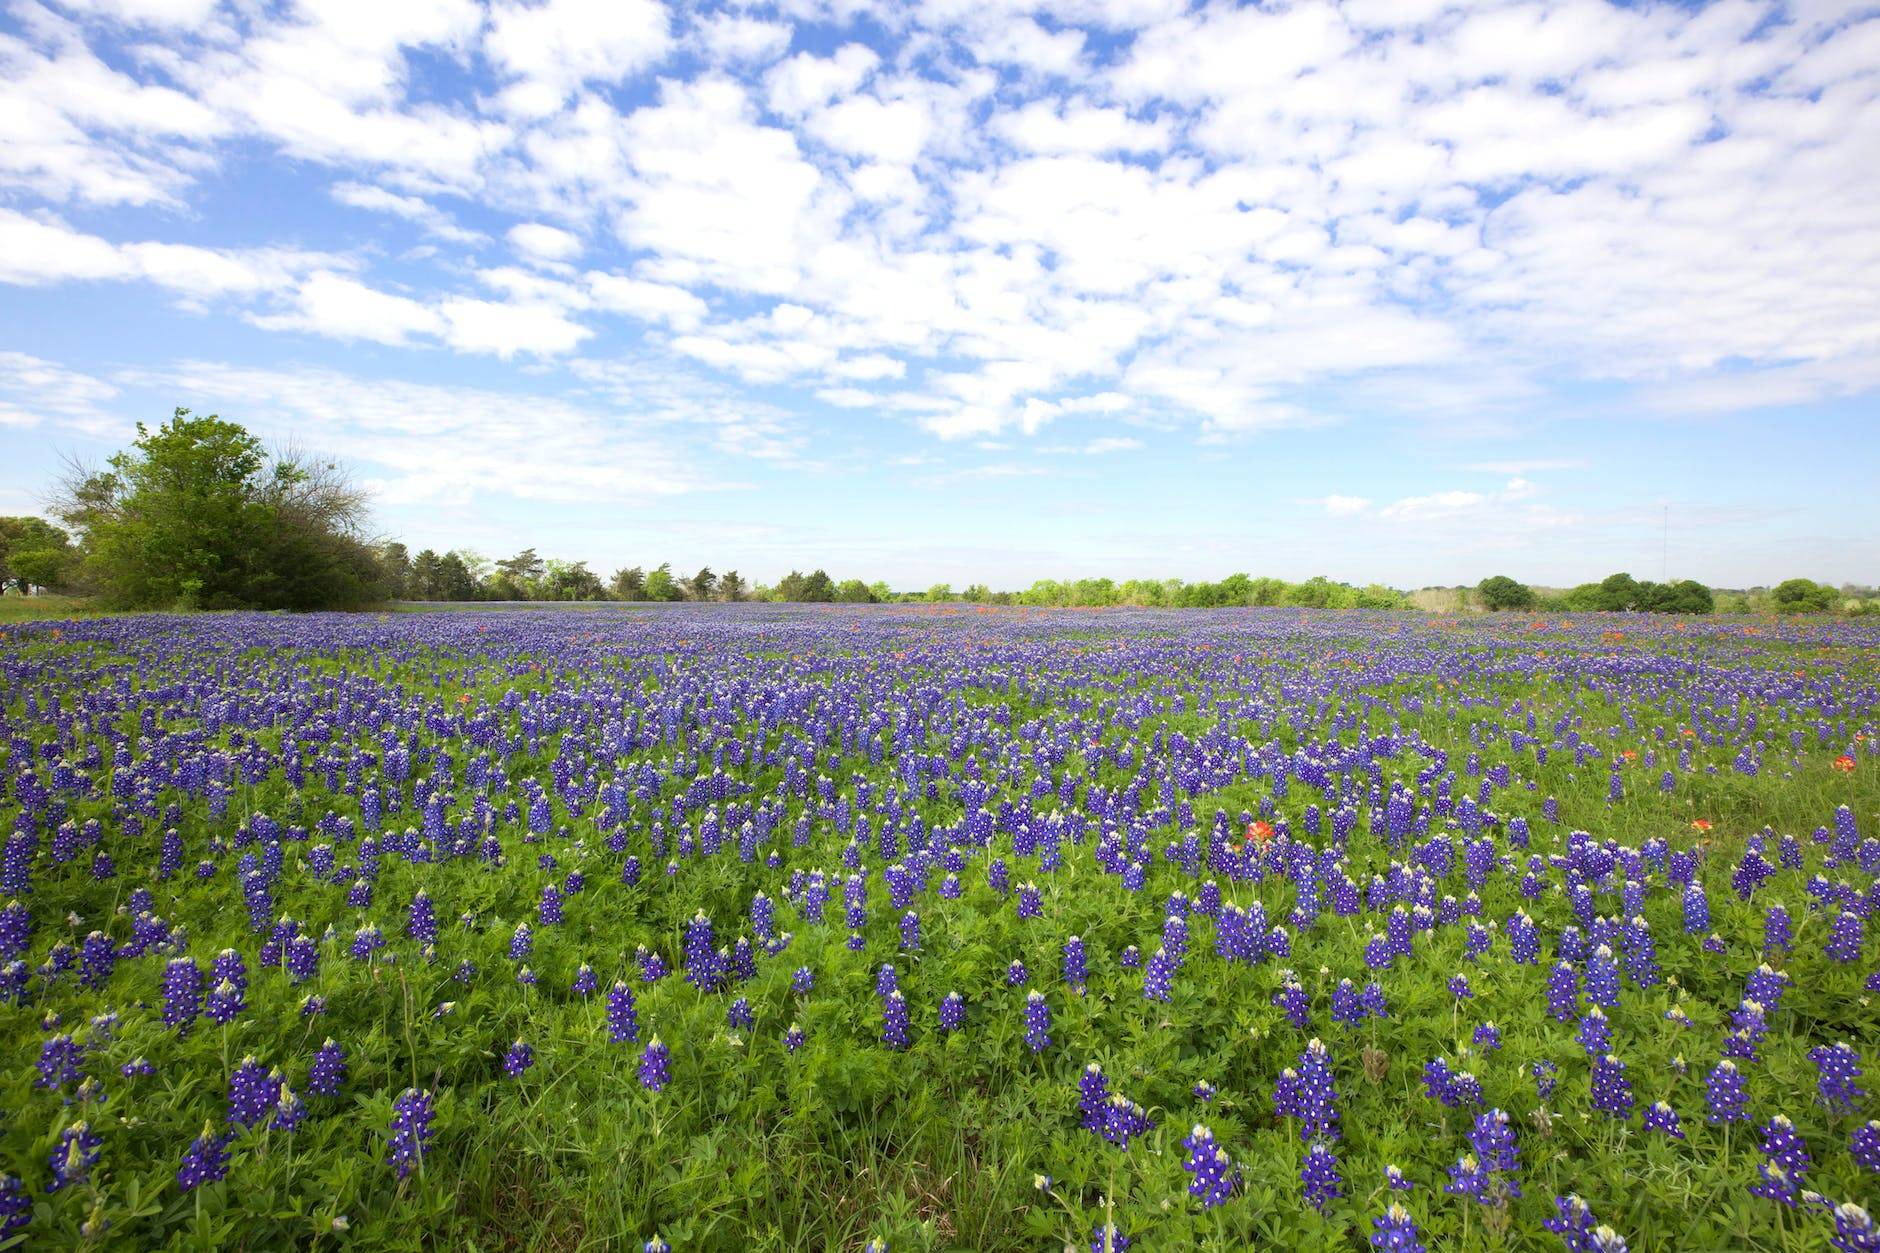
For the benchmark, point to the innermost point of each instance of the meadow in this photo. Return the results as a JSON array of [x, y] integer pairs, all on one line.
[[772, 927]]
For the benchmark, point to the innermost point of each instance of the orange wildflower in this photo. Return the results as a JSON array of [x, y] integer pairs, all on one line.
[[1844, 764], [1701, 824]]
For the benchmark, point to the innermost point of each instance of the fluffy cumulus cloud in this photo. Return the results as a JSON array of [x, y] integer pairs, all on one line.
[[984, 220]]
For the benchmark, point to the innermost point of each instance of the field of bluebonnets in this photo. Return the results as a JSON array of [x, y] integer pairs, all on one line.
[[755, 927]]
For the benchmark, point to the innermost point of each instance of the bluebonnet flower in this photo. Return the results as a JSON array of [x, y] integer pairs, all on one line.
[[1660, 1117], [586, 982], [518, 1059], [1864, 1146], [182, 993], [289, 1111], [1294, 1003], [1106, 1238], [1573, 1222], [1612, 1091], [1468, 1177], [1854, 1230], [1724, 1094], [1319, 1177], [1837, 1077], [1778, 930], [253, 1092], [1037, 1022], [1076, 967], [72, 1159], [738, 1015], [1156, 979], [1318, 1094], [1786, 1162], [802, 980], [1123, 1120], [410, 1135], [654, 1065], [623, 1023], [1487, 1037], [1492, 1138], [1595, 1033], [1093, 1093], [16, 1209], [793, 1038], [421, 920], [1845, 937], [61, 1061], [1563, 992], [952, 1012], [1016, 975], [1396, 1232], [894, 1020], [1395, 1181], [328, 1072], [1214, 1176]]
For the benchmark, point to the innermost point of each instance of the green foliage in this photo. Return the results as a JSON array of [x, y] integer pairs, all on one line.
[[1803, 596], [196, 514], [660, 585], [1501, 592], [34, 553]]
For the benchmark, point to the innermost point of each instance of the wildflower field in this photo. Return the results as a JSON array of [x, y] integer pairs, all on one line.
[[747, 927]]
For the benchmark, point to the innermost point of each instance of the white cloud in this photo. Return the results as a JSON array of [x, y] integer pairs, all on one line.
[[426, 443], [734, 40], [414, 209], [1111, 443], [34, 391], [553, 47], [540, 242], [344, 308], [508, 329], [1341, 506], [653, 302], [187, 13], [1040, 127]]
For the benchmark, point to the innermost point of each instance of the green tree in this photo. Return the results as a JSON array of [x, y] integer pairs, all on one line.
[[880, 590], [731, 586], [701, 585], [854, 592], [394, 571], [1802, 596], [34, 553], [660, 585], [1499, 592], [819, 588], [940, 591], [197, 513], [456, 577], [629, 584]]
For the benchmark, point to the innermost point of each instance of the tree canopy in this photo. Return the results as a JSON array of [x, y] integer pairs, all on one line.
[[197, 513]]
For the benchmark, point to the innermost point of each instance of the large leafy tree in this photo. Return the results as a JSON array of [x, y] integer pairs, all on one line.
[[197, 513], [1501, 592], [34, 553]]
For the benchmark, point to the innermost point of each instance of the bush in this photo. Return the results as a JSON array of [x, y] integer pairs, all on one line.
[[1501, 592]]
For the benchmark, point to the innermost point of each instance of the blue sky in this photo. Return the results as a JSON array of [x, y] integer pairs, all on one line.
[[1396, 290]]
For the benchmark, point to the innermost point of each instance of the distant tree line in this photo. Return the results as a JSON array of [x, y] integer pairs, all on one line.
[[1619, 593], [198, 514]]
